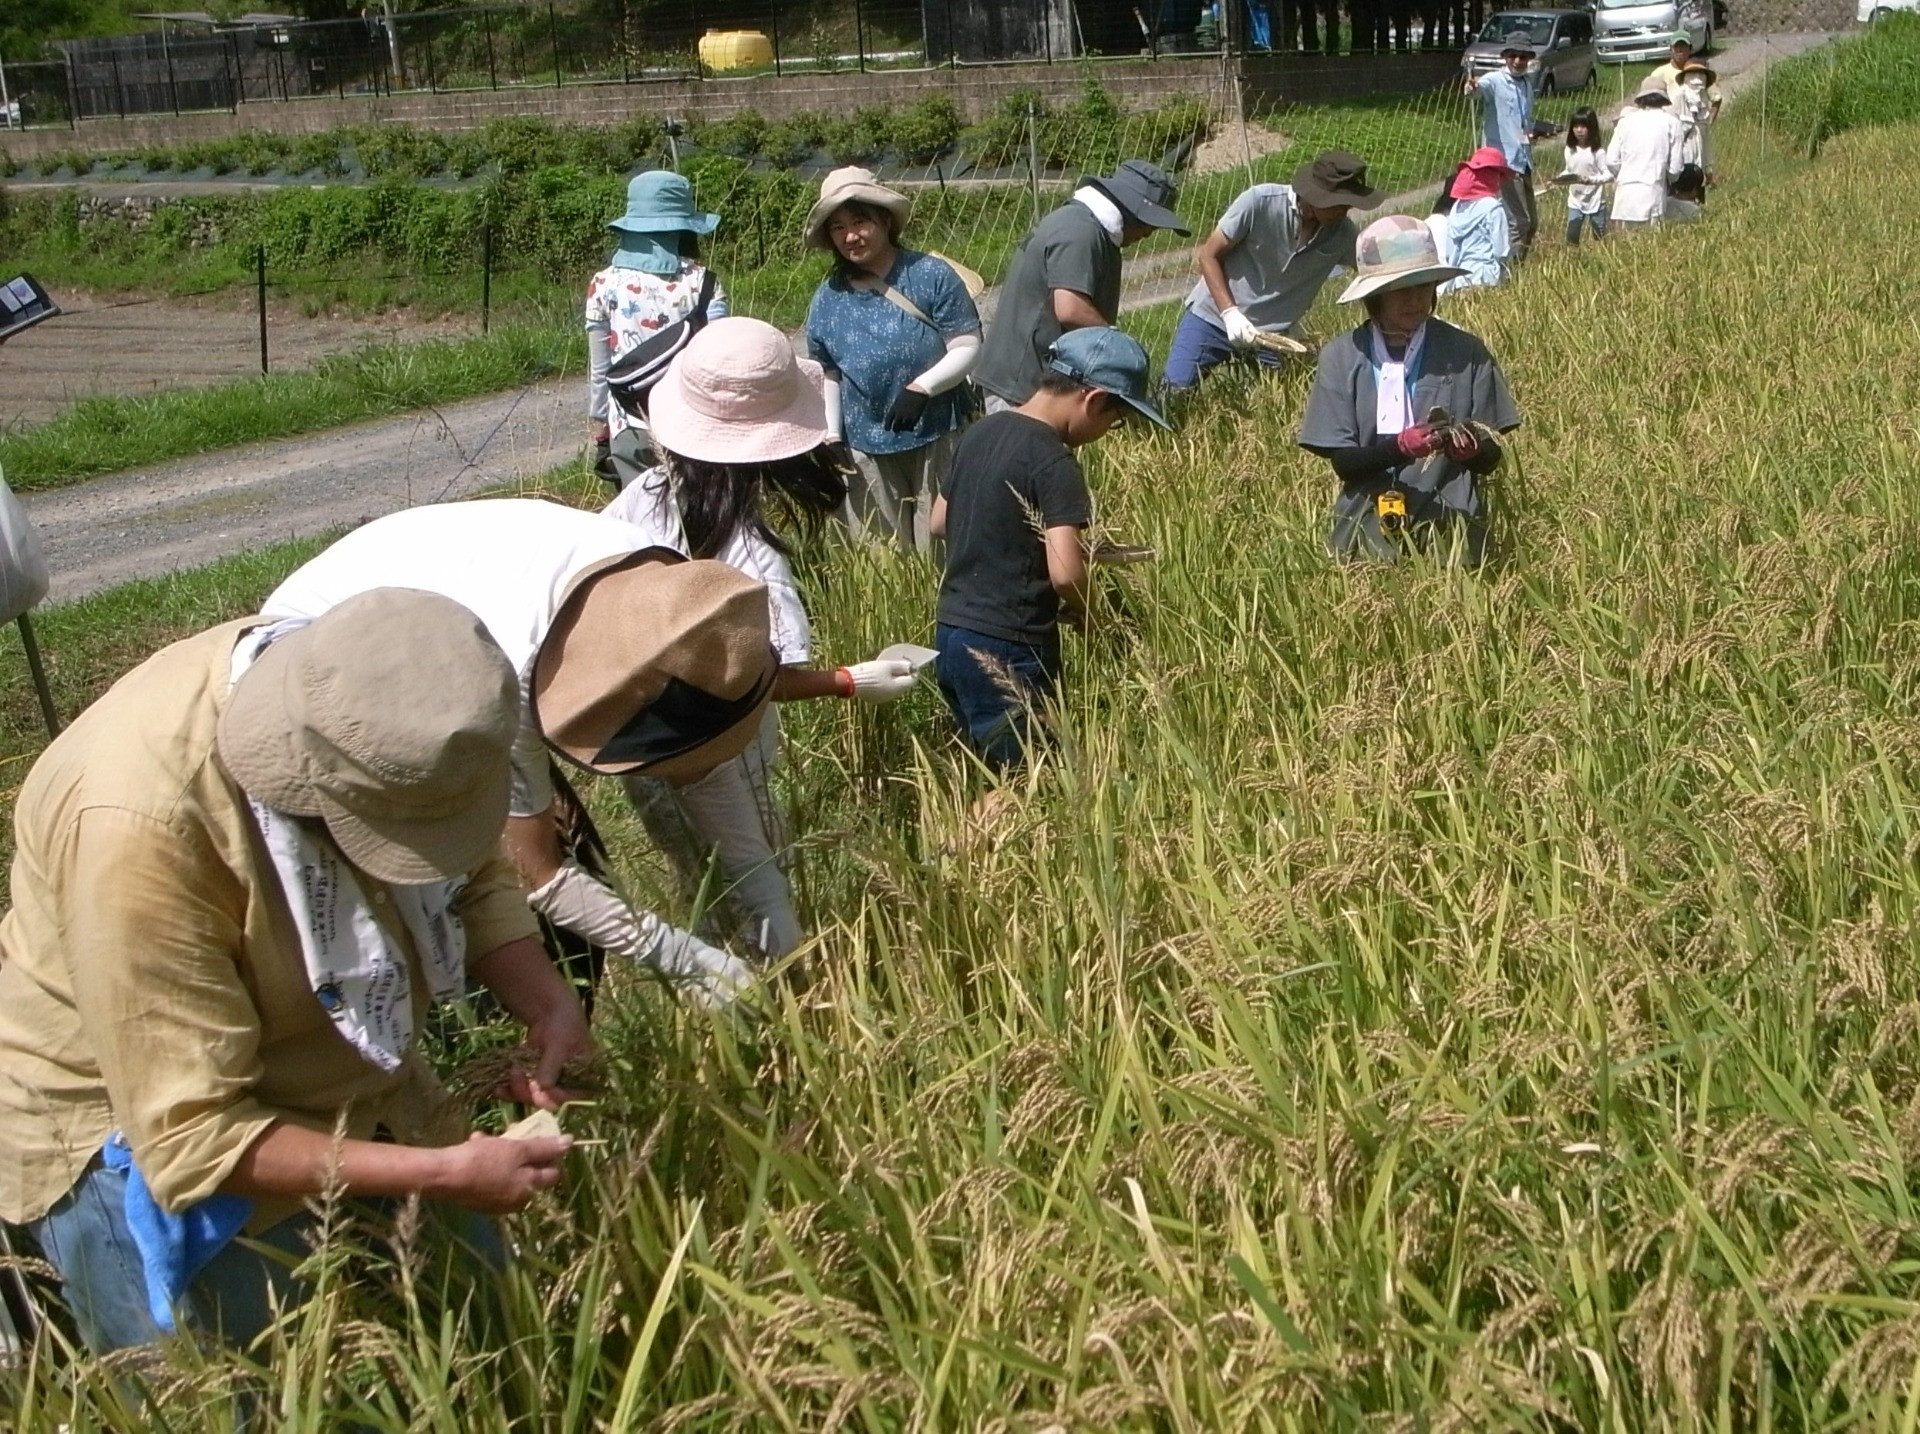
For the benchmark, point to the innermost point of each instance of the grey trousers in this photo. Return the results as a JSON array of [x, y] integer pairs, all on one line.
[[1523, 211], [892, 499]]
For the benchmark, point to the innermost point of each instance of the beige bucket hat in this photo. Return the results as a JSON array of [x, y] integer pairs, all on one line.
[[389, 719], [1652, 91], [738, 394], [657, 667], [859, 186], [1396, 252]]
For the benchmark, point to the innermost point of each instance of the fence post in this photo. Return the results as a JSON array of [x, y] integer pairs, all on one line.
[[1240, 108], [119, 89], [73, 92], [1763, 103], [486, 23], [260, 269], [166, 53], [773, 33], [553, 38], [860, 33], [39, 675], [1033, 158], [486, 277]]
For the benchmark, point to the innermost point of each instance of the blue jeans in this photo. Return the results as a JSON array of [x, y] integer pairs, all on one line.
[[85, 1237], [1198, 346], [996, 689], [1597, 221]]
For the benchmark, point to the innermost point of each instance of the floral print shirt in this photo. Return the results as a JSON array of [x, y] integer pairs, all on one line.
[[629, 305]]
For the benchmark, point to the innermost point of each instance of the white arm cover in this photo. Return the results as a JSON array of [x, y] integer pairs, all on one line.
[[954, 365], [599, 355], [573, 899], [834, 430]]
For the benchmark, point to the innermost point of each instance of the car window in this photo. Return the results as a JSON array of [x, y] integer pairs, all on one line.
[[1537, 28], [1579, 29]]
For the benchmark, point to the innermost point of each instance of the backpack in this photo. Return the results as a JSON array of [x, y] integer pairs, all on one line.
[[632, 376]]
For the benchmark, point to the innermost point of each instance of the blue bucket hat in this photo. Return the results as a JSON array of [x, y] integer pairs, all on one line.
[[1108, 360], [661, 202]]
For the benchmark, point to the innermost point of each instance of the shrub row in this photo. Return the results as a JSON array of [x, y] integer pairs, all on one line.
[[518, 145], [1871, 79]]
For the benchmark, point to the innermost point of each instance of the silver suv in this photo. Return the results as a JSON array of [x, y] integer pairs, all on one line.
[[1630, 30], [1564, 56]]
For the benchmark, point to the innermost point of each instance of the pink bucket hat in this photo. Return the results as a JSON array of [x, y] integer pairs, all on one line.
[[737, 394]]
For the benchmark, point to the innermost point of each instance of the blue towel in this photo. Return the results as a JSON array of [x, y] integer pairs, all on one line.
[[173, 1248]]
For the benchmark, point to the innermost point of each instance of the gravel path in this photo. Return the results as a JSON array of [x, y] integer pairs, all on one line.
[[187, 513], [184, 514]]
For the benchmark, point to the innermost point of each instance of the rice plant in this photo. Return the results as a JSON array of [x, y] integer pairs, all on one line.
[[1402, 1001]]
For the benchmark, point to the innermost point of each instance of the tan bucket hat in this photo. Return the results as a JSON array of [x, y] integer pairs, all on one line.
[[1396, 252], [389, 718], [658, 667], [1652, 91], [859, 186]]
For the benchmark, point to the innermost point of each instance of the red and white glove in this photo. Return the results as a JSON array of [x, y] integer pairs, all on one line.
[[1463, 445], [1417, 441], [877, 681]]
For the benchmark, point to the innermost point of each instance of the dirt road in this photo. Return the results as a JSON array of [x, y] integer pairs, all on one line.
[[184, 514]]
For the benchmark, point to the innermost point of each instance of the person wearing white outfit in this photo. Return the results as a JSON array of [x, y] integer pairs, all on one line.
[[1646, 154], [742, 426], [1695, 109], [541, 577], [1587, 171]]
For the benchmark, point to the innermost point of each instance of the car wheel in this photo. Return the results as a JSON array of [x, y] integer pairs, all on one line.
[[1546, 86], [1878, 15]]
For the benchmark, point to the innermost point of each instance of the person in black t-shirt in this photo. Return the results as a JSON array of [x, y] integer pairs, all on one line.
[[1012, 510]]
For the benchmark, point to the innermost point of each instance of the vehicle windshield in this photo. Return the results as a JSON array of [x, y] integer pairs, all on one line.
[[1630, 4], [1537, 28]]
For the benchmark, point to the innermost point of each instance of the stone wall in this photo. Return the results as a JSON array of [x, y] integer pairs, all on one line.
[[1269, 80], [1783, 17]]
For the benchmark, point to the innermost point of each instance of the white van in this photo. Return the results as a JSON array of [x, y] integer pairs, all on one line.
[[1871, 10], [1629, 30]]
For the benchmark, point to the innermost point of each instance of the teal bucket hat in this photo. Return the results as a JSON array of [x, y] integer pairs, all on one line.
[[661, 202]]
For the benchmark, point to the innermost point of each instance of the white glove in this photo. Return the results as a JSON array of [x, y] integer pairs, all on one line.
[[1242, 333], [589, 908], [878, 681]]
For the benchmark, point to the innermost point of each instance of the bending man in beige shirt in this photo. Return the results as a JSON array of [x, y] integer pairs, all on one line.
[[159, 997]]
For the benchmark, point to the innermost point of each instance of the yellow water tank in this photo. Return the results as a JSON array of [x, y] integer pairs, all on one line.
[[735, 49]]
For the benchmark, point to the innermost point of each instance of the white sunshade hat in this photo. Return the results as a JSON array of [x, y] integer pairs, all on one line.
[[738, 394], [1396, 252]]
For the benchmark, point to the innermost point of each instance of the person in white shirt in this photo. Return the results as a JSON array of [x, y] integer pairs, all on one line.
[[1645, 154], [1586, 171], [1695, 108], [730, 459]]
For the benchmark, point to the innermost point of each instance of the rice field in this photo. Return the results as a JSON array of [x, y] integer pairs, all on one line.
[[1406, 1001]]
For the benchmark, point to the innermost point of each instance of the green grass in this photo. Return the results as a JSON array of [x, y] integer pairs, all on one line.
[[1406, 1001], [108, 434]]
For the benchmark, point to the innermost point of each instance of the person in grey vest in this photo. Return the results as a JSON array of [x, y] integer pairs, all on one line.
[[1262, 266], [1066, 275], [1406, 408]]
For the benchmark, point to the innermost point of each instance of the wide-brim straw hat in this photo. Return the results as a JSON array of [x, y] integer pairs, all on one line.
[[1695, 67], [738, 394], [661, 202], [853, 185], [656, 666], [389, 719], [1396, 252], [1652, 88]]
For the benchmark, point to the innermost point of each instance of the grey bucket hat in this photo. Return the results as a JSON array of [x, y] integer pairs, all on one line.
[[1517, 44], [1144, 194]]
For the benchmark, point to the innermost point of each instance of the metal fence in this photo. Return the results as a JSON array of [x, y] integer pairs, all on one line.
[[189, 67]]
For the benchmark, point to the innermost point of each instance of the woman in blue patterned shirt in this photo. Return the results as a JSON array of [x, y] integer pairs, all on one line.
[[897, 333]]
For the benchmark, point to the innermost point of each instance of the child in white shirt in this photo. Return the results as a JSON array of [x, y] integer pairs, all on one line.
[[1587, 172]]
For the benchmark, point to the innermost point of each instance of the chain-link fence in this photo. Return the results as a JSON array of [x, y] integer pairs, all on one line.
[[187, 66]]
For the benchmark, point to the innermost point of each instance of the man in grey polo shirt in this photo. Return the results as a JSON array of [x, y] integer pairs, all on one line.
[[1264, 263], [1066, 275]]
